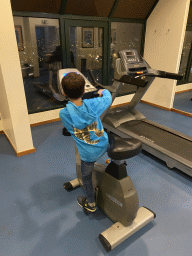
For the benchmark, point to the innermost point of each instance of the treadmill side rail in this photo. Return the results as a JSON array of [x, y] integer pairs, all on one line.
[[172, 160]]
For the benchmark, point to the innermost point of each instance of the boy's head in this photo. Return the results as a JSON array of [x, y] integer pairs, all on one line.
[[73, 85]]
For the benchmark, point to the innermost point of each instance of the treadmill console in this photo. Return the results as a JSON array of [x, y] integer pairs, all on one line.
[[63, 72], [133, 63]]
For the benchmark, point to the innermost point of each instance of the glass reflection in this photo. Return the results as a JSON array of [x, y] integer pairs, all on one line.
[[124, 36], [183, 95], [38, 40], [86, 47], [185, 54]]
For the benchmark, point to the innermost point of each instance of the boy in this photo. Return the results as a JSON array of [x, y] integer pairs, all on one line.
[[82, 119]]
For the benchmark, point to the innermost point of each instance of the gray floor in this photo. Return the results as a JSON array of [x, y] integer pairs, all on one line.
[[39, 218]]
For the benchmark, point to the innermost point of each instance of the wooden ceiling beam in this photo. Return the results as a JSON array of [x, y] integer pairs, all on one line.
[[63, 7], [113, 8], [153, 7]]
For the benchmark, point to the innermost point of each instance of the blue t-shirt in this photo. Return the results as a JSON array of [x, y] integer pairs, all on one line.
[[85, 126]]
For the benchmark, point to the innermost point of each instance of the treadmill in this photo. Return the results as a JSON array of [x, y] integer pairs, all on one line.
[[169, 145]]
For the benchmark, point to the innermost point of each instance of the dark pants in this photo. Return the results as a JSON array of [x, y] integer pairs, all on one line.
[[86, 171]]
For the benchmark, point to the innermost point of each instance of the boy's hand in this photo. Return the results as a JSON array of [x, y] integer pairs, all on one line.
[[100, 92]]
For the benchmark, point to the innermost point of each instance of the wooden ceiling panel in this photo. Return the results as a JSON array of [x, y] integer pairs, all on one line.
[[104, 7], [133, 9], [99, 8], [47, 6]]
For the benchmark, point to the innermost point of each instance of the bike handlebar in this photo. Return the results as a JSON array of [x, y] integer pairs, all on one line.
[[95, 83]]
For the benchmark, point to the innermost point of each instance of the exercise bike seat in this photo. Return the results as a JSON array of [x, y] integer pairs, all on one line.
[[121, 148]]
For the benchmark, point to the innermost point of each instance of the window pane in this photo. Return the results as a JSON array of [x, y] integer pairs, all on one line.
[[86, 47], [190, 40], [124, 36], [185, 53], [39, 49]]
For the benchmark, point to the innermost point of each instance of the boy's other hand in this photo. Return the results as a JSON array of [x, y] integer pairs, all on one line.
[[100, 92]]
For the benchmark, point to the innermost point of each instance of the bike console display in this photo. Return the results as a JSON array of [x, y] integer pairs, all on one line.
[[89, 88]]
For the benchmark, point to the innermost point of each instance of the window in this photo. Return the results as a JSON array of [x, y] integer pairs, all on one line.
[[37, 40]]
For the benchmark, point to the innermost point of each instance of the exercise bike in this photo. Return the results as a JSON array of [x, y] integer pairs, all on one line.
[[116, 195], [53, 62]]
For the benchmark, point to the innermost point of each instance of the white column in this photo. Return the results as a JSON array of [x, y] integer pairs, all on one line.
[[165, 31], [13, 107]]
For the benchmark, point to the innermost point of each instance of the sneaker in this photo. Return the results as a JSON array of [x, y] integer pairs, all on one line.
[[82, 201]]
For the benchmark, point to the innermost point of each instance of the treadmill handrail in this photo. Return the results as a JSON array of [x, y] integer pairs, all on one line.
[[131, 80], [163, 74]]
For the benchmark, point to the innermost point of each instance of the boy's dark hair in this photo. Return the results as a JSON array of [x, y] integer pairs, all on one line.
[[73, 85]]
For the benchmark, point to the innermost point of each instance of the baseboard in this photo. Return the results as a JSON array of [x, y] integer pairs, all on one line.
[[46, 122], [157, 106], [181, 112], [22, 153], [188, 90], [173, 109], [27, 152]]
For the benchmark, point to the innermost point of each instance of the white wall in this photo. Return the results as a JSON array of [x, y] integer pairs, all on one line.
[[165, 31], [13, 108], [183, 87]]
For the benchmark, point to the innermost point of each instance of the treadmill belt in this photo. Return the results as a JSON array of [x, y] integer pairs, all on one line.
[[165, 139]]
